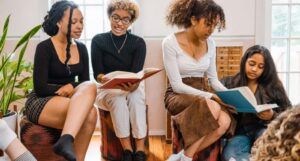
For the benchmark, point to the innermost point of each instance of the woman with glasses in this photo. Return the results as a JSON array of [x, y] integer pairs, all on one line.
[[59, 100], [120, 50]]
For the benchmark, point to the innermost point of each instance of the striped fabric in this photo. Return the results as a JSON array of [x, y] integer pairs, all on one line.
[[39, 140], [34, 106]]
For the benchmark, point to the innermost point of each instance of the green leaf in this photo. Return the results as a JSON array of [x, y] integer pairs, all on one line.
[[13, 85], [5, 29], [27, 36]]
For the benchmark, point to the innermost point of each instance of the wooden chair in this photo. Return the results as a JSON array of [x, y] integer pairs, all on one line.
[[211, 153], [110, 147], [39, 140]]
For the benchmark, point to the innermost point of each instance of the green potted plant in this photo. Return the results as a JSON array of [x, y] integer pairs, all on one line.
[[11, 67]]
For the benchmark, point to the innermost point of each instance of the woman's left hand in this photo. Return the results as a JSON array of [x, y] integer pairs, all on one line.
[[266, 115], [130, 87], [65, 91]]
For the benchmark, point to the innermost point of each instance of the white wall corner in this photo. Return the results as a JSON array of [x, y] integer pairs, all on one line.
[[263, 22]]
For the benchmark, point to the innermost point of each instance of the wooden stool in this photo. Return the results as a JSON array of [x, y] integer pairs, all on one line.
[[111, 148], [39, 140], [211, 153]]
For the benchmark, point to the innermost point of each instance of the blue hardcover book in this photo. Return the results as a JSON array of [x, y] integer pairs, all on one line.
[[243, 100]]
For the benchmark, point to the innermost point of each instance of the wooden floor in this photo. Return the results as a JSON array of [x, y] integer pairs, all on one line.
[[158, 149]]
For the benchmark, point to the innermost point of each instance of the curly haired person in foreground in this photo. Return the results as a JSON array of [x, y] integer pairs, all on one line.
[[281, 140]]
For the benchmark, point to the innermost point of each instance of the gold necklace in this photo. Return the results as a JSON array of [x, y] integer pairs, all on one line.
[[194, 50], [119, 50], [191, 47]]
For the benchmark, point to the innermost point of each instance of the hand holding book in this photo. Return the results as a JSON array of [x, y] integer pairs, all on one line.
[[126, 80], [243, 100], [266, 115]]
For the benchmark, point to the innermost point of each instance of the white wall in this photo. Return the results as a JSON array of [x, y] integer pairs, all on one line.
[[245, 26], [24, 16]]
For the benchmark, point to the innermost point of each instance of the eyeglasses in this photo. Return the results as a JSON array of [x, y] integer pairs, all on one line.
[[117, 19]]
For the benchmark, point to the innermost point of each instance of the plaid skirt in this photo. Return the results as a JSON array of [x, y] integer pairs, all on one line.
[[34, 106], [191, 113]]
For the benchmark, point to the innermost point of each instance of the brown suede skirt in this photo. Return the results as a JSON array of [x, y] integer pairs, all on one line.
[[191, 113]]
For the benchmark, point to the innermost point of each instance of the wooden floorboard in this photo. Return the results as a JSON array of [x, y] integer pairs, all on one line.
[[158, 149]]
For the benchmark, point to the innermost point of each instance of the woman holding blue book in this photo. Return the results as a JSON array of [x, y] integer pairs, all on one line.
[[258, 72]]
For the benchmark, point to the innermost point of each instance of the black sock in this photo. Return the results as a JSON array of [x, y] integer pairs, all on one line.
[[64, 147]]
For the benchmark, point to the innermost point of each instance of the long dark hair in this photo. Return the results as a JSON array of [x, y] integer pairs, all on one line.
[[55, 14], [269, 79]]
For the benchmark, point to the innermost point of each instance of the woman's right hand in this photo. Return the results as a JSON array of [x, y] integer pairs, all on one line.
[[129, 87], [65, 91], [102, 79], [228, 107]]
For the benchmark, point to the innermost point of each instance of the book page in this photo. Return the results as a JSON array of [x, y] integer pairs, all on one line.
[[249, 95], [121, 74], [119, 77], [265, 107], [150, 71]]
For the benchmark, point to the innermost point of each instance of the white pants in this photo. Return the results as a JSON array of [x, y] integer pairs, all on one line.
[[125, 109]]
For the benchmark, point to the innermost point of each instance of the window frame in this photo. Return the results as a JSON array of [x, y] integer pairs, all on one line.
[[268, 39]]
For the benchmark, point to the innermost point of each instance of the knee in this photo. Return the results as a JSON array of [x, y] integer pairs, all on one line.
[[89, 88], [237, 148], [224, 123], [91, 119], [214, 108]]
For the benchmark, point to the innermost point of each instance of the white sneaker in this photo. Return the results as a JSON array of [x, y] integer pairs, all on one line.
[[175, 157], [232, 159], [185, 158]]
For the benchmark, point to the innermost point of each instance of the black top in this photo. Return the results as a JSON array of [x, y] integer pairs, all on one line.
[[50, 73], [105, 56]]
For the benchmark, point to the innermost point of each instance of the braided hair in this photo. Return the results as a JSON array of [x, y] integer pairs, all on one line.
[[68, 56], [55, 14]]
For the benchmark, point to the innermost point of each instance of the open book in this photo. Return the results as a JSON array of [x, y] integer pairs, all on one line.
[[119, 77], [243, 100]]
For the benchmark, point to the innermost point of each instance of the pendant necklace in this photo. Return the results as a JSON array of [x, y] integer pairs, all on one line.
[[119, 50]]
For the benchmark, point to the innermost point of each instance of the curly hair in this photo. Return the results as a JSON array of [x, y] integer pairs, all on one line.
[[281, 140], [181, 11], [128, 5]]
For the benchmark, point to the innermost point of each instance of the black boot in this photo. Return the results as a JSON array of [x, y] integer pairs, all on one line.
[[140, 156], [127, 155]]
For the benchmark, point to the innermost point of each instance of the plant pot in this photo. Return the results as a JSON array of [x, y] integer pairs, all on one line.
[[11, 119]]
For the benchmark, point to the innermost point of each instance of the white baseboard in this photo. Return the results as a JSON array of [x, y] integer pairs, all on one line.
[[157, 132]]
